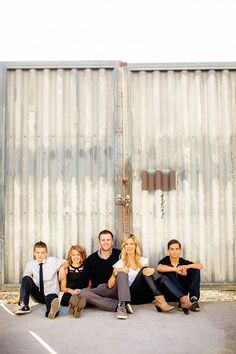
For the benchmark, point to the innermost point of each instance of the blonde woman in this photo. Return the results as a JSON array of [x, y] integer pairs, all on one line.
[[142, 287]]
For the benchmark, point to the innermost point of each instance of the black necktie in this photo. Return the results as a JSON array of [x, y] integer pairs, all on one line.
[[41, 288]]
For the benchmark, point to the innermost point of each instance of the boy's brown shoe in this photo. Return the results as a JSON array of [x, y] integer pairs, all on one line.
[[54, 308]]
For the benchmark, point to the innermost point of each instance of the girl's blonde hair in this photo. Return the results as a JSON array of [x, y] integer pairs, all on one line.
[[137, 252], [81, 251]]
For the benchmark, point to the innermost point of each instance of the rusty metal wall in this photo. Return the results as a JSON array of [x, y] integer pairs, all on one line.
[[62, 133], [184, 119]]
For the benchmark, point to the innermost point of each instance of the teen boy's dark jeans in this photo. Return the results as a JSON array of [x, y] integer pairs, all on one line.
[[174, 285], [28, 287]]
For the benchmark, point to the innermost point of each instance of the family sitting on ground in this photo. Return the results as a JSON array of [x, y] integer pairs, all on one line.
[[110, 279]]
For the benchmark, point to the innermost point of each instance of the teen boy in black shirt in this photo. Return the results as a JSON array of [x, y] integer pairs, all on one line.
[[180, 277]]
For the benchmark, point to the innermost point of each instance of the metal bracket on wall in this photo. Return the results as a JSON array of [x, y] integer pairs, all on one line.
[[125, 202], [165, 181]]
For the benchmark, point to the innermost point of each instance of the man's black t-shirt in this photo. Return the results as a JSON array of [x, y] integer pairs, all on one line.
[[99, 270]]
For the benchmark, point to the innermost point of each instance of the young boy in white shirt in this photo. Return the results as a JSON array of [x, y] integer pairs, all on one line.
[[40, 280]]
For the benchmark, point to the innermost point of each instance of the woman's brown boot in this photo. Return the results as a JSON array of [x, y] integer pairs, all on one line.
[[186, 304], [161, 304]]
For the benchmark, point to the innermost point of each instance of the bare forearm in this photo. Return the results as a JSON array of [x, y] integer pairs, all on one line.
[[162, 268], [112, 280], [195, 266]]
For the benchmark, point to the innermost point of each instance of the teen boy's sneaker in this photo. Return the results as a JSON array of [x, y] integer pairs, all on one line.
[[129, 308], [121, 312], [54, 308], [23, 310]]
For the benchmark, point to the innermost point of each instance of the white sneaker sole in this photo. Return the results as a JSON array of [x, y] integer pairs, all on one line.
[[19, 312], [122, 317], [129, 309]]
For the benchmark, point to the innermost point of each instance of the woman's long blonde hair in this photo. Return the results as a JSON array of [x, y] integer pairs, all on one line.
[[137, 254]]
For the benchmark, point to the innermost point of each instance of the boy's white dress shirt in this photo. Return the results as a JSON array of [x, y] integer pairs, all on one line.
[[51, 266]]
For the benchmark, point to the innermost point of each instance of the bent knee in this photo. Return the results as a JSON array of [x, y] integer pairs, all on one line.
[[148, 271], [27, 278], [121, 273]]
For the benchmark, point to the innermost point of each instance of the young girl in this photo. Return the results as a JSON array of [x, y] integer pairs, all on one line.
[[72, 278]]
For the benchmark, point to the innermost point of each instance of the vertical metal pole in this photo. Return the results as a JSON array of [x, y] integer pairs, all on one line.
[[3, 111]]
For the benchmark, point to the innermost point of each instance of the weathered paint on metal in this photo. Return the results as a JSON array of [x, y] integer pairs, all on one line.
[[185, 120], [61, 178], [77, 134]]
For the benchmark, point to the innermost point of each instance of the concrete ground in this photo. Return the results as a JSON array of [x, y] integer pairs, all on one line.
[[210, 331]]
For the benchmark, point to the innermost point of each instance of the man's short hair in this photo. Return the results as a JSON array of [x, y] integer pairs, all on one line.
[[104, 232], [172, 242], [40, 244]]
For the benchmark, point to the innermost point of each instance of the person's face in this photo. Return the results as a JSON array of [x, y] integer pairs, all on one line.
[[106, 242], [174, 250], [130, 246], [40, 254], [75, 257]]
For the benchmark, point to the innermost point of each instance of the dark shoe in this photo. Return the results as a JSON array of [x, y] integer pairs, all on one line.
[[54, 308], [23, 310], [129, 308], [78, 308], [121, 312], [195, 306]]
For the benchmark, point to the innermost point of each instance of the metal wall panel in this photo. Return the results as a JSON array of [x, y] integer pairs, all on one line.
[[185, 120], [60, 164], [74, 136]]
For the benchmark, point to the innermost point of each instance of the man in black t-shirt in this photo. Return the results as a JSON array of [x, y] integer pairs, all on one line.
[[98, 266], [97, 270], [179, 278]]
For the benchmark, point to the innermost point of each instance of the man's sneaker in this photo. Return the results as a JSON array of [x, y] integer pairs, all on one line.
[[23, 310], [54, 308], [78, 308], [129, 308], [121, 312], [195, 306]]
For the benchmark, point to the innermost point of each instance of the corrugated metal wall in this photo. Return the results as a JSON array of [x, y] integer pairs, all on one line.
[[61, 173], [74, 136], [185, 120]]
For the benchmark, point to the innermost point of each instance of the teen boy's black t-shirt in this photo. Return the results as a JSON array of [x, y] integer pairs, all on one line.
[[99, 270], [166, 261]]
